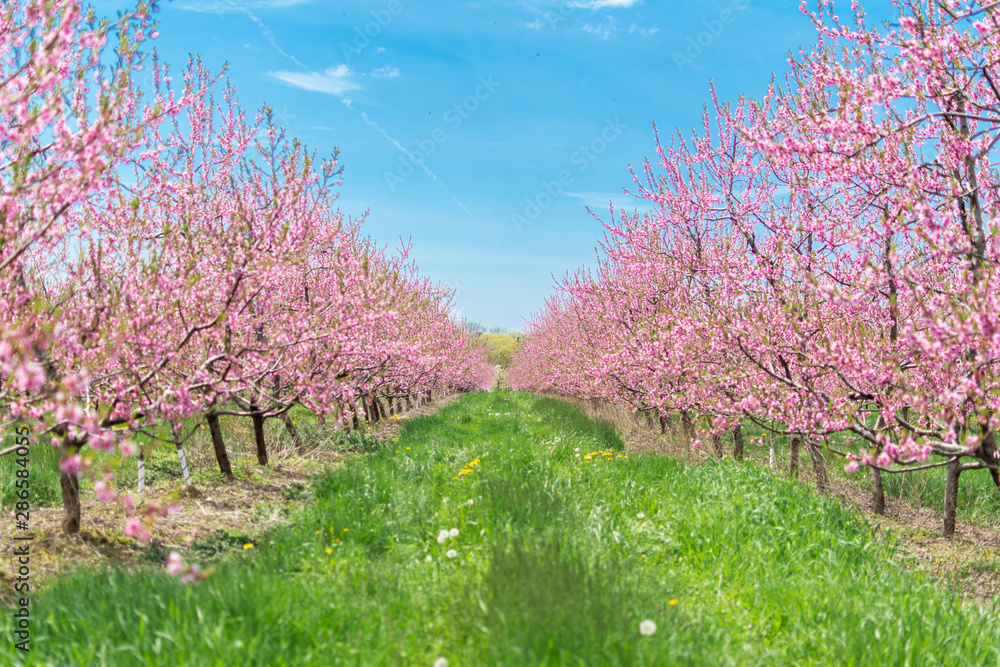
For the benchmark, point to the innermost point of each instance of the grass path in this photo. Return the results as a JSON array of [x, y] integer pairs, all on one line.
[[511, 530]]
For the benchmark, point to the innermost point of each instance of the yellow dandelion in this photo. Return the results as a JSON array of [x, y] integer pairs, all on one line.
[[248, 545], [672, 602], [318, 532], [346, 529], [329, 550]]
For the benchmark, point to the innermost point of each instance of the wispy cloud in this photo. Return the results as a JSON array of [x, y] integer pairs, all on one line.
[[602, 29], [605, 4], [645, 32], [387, 72], [221, 7], [599, 201], [334, 81], [427, 171], [233, 6]]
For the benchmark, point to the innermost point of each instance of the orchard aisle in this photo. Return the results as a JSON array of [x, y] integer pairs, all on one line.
[[509, 529]]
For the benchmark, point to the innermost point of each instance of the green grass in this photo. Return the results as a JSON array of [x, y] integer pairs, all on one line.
[[554, 566], [43, 475]]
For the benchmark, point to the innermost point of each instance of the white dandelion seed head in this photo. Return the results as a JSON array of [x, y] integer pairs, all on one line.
[[428, 558], [472, 501], [452, 553], [647, 628], [640, 515], [453, 532], [441, 662], [442, 536]]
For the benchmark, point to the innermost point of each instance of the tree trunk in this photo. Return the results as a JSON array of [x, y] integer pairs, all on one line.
[[321, 419], [649, 419], [951, 497], [793, 458], [878, 494], [219, 444], [663, 426], [258, 433], [819, 467], [293, 432], [70, 495], [738, 442], [717, 445], [688, 425]]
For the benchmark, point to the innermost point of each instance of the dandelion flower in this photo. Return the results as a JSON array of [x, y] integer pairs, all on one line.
[[453, 532], [647, 628], [672, 602], [248, 545], [452, 553], [329, 550], [640, 515]]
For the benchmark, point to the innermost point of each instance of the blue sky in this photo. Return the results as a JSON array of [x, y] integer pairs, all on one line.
[[482, 130]]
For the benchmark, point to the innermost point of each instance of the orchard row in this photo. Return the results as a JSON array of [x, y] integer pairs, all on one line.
[[821, 261], [163, 255]]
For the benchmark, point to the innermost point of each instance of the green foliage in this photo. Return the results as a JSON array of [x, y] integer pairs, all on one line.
[[565, 544], [499, 347], [295, 491], [356, 441], [43, 475], [220, 544]]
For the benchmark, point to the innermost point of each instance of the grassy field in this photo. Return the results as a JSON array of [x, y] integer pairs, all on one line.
[[511, 530]]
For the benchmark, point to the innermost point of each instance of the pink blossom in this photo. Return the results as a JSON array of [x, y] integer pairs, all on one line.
[[104, 492], [174, 563]]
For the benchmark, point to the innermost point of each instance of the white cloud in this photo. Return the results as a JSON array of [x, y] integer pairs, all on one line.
[[387, 72], [645, 32], [537, 24], [334, 81]]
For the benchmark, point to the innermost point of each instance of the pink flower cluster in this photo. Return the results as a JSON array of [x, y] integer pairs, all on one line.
[[163, 253], [821, 260]]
